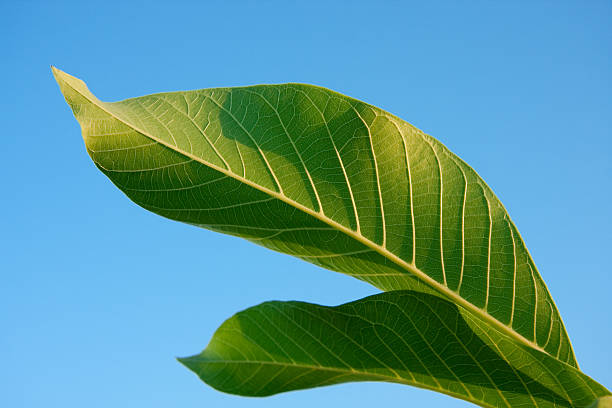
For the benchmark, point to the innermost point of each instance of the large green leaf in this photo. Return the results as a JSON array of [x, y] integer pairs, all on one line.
[[332, 180], [347, 186], [402, 336]]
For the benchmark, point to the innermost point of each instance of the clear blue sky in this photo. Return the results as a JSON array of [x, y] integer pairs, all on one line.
[[97, 296]]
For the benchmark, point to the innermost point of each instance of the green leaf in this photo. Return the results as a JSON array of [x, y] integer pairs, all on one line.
[[402, 336], [332, 180], [342, 184]]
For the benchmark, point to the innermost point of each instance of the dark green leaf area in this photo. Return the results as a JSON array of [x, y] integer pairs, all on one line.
[[402, 336]]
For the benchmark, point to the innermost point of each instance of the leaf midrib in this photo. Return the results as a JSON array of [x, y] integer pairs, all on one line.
[[410, 267]]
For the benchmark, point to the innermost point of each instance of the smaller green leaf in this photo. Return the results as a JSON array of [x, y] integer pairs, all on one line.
[[402, 336]]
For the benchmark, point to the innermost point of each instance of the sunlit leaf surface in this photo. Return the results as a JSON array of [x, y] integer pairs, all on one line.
[[342, 184]]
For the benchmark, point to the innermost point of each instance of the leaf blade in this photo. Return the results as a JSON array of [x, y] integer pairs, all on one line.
[[281, 346], [395, 222]]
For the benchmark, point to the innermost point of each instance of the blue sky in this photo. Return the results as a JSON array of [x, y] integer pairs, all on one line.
[[98, 296]]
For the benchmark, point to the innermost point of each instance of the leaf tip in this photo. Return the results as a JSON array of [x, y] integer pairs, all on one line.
[[58, 74], [188, 362], [70, 85]]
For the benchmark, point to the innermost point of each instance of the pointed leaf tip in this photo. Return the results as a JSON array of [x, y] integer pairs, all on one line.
[[75, 91], [190, 363], [57, 73]]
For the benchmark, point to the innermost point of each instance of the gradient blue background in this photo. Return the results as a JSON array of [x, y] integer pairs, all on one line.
[[97, 295]]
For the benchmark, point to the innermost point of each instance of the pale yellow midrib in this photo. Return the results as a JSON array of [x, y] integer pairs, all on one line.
[[382, 251]]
